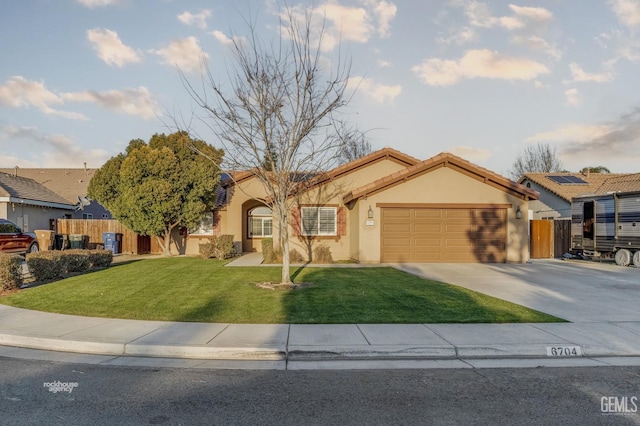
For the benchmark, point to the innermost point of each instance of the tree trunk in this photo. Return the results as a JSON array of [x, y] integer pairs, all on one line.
[[284, 235]]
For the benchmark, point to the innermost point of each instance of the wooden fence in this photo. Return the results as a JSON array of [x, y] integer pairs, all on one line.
[[550, 238], [94, 228]]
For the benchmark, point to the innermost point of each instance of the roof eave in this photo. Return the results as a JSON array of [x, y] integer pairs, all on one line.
[[37, 203]]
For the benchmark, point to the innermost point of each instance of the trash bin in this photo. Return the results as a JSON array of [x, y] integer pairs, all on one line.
[[62, 241], [112, 241], [77, 241], [46, 239]]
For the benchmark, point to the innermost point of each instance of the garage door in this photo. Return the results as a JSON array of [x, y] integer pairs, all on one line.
[[464, 235]]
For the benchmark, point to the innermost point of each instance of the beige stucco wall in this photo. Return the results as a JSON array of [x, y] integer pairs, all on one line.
[[234, 216], [443, 185], [29, 217]]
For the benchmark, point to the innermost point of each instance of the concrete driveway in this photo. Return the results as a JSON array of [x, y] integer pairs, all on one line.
[[577, 291]]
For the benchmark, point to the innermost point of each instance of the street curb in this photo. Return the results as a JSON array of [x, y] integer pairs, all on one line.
[[62, 345]]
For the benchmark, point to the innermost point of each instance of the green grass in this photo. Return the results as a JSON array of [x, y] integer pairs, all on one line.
[[194, 289]]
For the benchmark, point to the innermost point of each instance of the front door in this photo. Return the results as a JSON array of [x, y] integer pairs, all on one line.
[[589, 225]]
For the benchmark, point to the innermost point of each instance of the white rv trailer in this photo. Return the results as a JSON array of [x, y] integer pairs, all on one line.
[[607, 225]]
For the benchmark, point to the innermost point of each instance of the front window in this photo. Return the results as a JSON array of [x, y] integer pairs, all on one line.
[[318, 220], [260, 222], [205, 227]]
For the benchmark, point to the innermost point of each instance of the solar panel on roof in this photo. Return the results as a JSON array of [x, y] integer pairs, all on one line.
[[562, 180]]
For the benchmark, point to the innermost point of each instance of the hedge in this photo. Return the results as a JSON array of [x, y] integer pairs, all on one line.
[[10, 271], [52, 265]]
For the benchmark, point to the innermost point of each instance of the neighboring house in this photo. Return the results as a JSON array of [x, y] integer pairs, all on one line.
[[558, 189], [387, 207], [621, 183], [71, 184], [29, 204]]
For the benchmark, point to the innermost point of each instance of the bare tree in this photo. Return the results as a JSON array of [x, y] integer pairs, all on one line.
[[278, 118], [354, 144], [540, 158]]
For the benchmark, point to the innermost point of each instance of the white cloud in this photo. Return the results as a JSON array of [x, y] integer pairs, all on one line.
[[384, 12], [111, 49], [627, 11], [538, 44], [572, 96], [378, 92], [538, 14], [618, 139], [470, 153], [18, 92], [478, 64], [196, 19], [97, 3], [458, 36], [574, 132], [138, 102], [383, 63], [227, 41], [580, 75], [346, 23], [479, 15], [185, 54], [50, 150]]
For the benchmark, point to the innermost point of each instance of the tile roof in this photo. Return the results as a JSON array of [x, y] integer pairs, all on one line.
[[320, 178], [444, 159], [17, 187], [568, 191], [68, 183], [622, 183]]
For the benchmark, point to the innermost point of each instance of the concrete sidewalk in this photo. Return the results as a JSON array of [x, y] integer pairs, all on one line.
[[288, 344]]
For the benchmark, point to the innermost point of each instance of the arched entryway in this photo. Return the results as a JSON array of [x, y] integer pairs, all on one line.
[[258, 224]]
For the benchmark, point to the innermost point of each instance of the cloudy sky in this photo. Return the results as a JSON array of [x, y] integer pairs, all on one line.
[[80, 78]]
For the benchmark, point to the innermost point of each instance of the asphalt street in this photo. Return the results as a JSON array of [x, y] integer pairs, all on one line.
[[44, 392]]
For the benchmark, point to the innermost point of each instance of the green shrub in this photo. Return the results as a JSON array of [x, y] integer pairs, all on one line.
[[78, 260], [10, 271], [100, 258], [218, 246], [322, 254], [47, 265], [268, 253]]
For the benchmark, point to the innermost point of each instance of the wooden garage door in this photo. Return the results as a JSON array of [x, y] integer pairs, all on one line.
[[464, 235]]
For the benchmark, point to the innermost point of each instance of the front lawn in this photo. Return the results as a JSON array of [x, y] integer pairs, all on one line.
[[194, 289]]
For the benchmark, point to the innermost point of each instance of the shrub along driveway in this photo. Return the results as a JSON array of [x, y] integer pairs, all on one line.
[[194, 289]]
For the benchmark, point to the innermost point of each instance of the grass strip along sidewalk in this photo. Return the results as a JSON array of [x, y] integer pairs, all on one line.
[[198, 290]]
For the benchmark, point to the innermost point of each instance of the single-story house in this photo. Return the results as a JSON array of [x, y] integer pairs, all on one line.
[[71, 184], [387, 207], [29, 204], [558, 189]]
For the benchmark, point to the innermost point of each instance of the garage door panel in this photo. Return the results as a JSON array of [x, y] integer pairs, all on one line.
[[443, 235], [396, 213], [420, 243], [427, 213], [397, 242], [427, 227], [396, 227]]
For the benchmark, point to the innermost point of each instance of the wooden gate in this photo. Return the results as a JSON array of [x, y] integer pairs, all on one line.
[[561, 237], [542, 239]]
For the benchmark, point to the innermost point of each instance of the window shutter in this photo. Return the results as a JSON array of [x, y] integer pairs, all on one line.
[[342, 221], [296, 222]]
